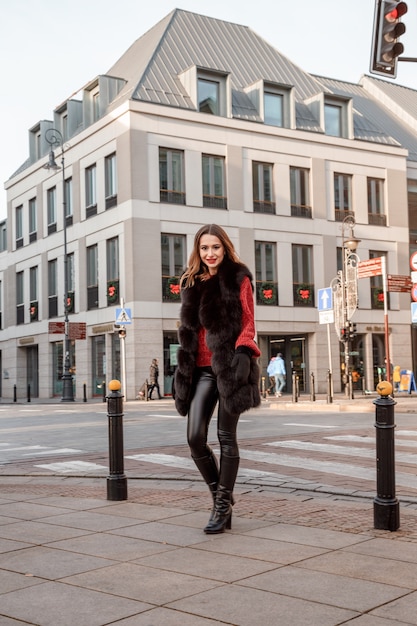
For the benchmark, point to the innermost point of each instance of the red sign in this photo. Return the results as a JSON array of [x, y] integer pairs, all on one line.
[[56, 328], [414, 293], [413, 261], [77, 330], [371, 267], [399, 283]]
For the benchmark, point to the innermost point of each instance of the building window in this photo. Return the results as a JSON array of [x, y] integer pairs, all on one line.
[[90, 191], [52, 289], [273, 109], [68, 201], [342, 196], [1, 305], [302, 269], [19, 226], [112, 253], [376, 213], [173, 256], [208, 94], [376, 283], [92, 278], [300, 192], [266, 273], [20, 306], [3, 236], [51, 210], [214, 194], [262, 188], [333, 120], [171, 176], [71, 283], [33, 235], [110, 174], [33, 294], [95, 98]]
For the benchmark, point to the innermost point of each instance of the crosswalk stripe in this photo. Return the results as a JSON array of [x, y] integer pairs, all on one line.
[[72, 466]]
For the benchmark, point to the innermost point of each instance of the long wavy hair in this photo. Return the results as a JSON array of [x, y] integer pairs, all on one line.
[[196, 268]]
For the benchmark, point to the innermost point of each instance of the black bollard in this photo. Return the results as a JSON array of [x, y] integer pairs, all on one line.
[[116, 481], [14, 393], [312, 389], [386, 505], [329, 387], [28, 393], [84, 392], [294, 387], [103, 387]]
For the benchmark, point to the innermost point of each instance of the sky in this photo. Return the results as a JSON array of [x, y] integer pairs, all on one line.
[[50, 49]]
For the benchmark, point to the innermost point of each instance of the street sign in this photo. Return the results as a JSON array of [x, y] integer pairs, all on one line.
[[398, 282], [326, 317], [413, 261], [123, 316], [414, 312], [414, 293], [77, 330], [56, 328], [325, 299], [414, 277], [370, 267]]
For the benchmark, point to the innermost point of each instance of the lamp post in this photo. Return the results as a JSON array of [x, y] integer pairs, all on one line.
[[345, 289], [54, 138]]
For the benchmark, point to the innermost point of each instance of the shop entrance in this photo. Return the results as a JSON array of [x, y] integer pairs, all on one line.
[[294, 351]]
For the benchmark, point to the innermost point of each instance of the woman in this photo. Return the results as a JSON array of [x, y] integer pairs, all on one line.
[[217, 361], [153, 379]]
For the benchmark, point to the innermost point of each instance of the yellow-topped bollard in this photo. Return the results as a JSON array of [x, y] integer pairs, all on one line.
[[116, 481], [386, 505]]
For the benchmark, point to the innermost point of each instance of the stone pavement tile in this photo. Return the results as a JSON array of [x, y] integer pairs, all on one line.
[[165, 617], [199, 519], [388, 548], [209, 565], [403, 610], [382, 570], [10, 581], [161, 532], [308, 536], [340, 591], [372, 620], [7, 545], [29, 510], [51, 603], [89, 520], [139, 582], [148, 513], [111, 546], [38, 532], [78, 504], [266, 550], [242, 606], [49, 563]]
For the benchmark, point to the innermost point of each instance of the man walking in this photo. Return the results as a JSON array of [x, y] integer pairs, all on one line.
[[280, 374]]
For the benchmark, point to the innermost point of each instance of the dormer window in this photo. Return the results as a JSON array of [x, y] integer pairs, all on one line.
[[208, 95], [273, 108], [337, 117]]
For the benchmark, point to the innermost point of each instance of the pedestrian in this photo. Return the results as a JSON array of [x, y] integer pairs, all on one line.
[[280, 374], [270, 372], [217, 361], [153, 379], [396, 377]]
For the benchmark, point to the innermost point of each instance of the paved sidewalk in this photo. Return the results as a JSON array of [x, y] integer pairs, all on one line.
[[69, 556]]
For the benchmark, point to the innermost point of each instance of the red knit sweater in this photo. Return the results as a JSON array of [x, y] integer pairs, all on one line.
[[247, 333]]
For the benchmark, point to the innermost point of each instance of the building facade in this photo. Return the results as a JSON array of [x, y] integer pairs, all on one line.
[[202, 121]]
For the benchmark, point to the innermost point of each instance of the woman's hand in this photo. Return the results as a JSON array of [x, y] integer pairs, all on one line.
[[241, 365]]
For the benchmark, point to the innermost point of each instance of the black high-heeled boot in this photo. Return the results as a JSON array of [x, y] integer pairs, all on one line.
[[221, 518], [208, 468]]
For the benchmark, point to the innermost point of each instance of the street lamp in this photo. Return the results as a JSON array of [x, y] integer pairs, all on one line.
[[54, 138], [345, 289]]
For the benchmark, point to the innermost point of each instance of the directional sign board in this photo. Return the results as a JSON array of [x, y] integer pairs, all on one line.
[[325, 299], [370, 267], [398, 282], [123, 316]]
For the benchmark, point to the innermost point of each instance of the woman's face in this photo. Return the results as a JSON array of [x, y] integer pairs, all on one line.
[[212, 252]]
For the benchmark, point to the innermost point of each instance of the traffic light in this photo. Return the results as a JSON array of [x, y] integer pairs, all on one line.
[[388, 28], [353, 330], [122, 333], [344, 334]]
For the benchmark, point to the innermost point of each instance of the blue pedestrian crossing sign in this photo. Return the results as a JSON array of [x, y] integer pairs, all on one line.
[[123, 316], [325, 299], [414, 312]]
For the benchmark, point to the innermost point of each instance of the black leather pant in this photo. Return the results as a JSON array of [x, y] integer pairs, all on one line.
[[203, 403]]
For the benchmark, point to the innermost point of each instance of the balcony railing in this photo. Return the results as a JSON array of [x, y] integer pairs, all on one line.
[[173, 197], [303, 294], [377, 219], [341, 214], [111, 201], [300, 210], [263, 206], [214, 202]]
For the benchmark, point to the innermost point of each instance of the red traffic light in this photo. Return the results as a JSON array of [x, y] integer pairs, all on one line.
[[387, 30], [395, 14]]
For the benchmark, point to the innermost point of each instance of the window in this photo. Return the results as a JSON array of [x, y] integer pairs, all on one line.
[[300, 192], [342, 196], [19, 226], [1, 305], [32, 220], [171, 176], [333, 120], [33, 293], [3, 236], [173, 264], [273, 109], [51, 210], [112, 251], [70, 283], [412, 212], [377, 289], [92, 278], [110, 181], [376, 213], [20, 307], [96, 105], [214, 195], [266, 278], [262, 188], [302, 268], [52, 289], [90, 191], [208, 95], [68, 201]]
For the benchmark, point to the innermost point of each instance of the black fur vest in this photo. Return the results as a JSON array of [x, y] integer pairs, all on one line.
[[215, 305]]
